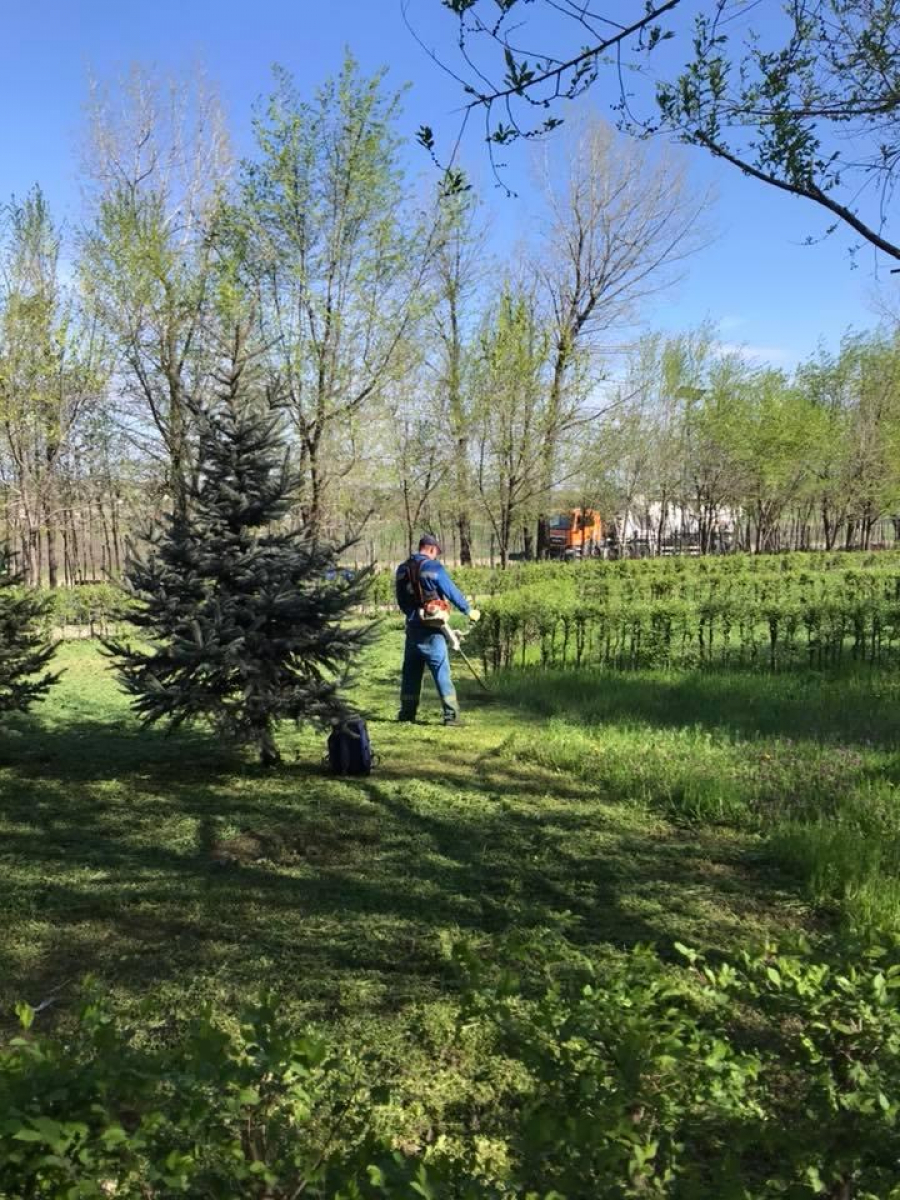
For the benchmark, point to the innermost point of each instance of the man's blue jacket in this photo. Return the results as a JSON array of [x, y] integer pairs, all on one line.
[[435, 582]]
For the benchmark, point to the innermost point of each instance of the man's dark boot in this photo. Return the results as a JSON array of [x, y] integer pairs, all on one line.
[[407, 713]]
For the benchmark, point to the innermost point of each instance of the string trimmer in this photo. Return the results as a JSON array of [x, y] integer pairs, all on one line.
[[454, 640]]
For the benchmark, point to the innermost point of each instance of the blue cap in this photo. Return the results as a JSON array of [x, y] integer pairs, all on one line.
[[428, 539]]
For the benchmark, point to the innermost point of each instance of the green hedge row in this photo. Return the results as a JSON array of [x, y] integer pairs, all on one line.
[[773, 1076], [94, 606], [741, 610], [772, 612], [682, 575]]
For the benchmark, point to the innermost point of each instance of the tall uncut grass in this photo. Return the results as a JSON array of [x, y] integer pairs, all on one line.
[[808, 763]]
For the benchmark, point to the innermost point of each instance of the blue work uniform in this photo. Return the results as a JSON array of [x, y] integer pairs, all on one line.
[[424, 646]]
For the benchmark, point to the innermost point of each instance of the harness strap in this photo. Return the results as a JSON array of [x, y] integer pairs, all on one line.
[[415, 579]]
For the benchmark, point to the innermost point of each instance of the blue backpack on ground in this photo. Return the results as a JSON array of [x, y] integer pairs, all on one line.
[[349, 748]]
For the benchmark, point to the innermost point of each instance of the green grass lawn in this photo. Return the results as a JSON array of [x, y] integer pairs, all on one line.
[[579, 815], [615, 809]]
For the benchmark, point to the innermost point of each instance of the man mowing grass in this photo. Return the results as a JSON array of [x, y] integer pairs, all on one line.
[[424, 593]]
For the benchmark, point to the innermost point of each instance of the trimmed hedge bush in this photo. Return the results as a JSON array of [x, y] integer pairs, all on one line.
[[769, 612], [94, 608], [757, 611]]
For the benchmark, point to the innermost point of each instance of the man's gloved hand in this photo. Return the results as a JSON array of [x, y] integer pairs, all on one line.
[[474, 614]]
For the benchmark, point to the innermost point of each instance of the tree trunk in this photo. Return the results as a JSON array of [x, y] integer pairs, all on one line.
[[408, 517], [458, 423], [90, 542], [313, 513], [661, 524], [830, 527], [67, 553], [464, 529], [35, 563], [51, 526], [705, 518], [868, 524], [177, 483], [49, 510], [543, 536], [547, 459], [503, 537], [117, 542], [52, 554], [269, 755], [107, 540], [72, 547]]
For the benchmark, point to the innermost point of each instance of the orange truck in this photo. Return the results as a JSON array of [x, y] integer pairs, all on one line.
[[577, 533]]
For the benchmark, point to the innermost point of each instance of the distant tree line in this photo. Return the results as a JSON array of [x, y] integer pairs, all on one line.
[[422, 380], [704, 441]]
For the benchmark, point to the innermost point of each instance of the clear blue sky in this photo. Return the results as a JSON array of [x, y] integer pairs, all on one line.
[[768, 290]]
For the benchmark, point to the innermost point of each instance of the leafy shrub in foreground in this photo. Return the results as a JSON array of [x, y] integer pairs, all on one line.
[[775, 1076], [253, 1111]]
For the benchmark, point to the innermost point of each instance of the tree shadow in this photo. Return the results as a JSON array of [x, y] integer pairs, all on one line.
[[168, 864], [165, 865], [860, 707]]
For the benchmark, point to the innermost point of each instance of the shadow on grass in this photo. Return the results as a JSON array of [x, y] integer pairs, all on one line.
[[860, 707], [163, 864]]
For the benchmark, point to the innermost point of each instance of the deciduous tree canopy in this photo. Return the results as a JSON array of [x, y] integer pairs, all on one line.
[[803, 97]]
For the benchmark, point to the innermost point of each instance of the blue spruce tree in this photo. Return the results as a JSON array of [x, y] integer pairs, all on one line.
[[25, 649], [247, 618]]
